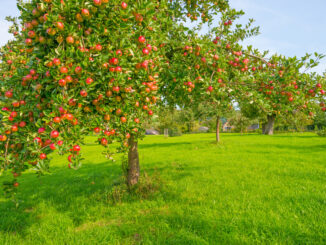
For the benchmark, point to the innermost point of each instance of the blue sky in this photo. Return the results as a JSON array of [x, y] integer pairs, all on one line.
[[289, 27]]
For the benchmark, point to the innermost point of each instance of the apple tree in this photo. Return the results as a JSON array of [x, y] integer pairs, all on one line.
[[209, 70], [88, 66], [280, 86]]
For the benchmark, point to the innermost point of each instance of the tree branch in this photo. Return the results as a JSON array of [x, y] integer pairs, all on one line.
[[257, 57]]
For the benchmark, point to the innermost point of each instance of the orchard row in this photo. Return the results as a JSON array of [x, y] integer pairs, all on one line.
[[106, 67]]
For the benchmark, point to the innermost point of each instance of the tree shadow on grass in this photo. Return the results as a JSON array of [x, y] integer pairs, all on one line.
[[292, 136], [274, 148], [64, 189], [272, 136], [159, 145], [237, 134], [302, 148], [58, 191]]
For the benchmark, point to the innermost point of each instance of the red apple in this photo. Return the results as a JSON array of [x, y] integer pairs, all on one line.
[[54, 134], [141, 39], [124, 5], [76, 148], [42, 156]]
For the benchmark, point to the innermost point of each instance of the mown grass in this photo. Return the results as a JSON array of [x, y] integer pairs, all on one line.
[[249, 189]]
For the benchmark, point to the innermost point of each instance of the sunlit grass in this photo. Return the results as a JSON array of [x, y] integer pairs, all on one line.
[[249, 189]]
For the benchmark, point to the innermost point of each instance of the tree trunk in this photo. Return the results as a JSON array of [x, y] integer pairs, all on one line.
[[133, 170], [263, 128], [217, 129], [269, 127], [166, 132]]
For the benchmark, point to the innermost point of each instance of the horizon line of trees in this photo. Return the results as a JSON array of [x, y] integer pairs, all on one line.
[[184, 121]]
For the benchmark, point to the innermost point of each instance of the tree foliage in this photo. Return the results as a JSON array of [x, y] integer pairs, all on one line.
[[102, 66]]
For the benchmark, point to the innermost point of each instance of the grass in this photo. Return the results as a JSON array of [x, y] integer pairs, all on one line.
[[249, 189]]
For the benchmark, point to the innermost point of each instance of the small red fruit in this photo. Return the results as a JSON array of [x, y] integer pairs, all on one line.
[[42, 156], [38, 140], [89, 80], [145, 51], [119, 52], [70, 159], [31, 34], [28, 41], [76, 148], [78, 70], [141, 39], [83, 93], [54, 134], [9, 94], [64, 70], [97, 2], [118, 69], [85, 12], [70, 40], [60, 26], [52, 146], [104, 141], [114, 61], [41, 130], [98, 47], [116, 89], [22, 124], [124, 5], [62, 82]]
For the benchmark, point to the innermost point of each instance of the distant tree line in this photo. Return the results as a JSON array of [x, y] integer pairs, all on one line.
[[178, 121]]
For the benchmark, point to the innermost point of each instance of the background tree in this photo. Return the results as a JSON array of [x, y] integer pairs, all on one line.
[[280, 87], [203, 72], [320, 120], [297, 121], [215, 111], [240, 122]]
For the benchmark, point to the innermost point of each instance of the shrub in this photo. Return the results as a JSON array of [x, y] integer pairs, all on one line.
[[175, 131], [322, 132]]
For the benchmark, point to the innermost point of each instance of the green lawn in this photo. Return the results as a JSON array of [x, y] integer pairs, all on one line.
[[249, 189]]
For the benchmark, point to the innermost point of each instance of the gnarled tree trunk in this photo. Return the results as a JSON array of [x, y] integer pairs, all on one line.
[[269, 126], [133, 170], [217, 129]]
